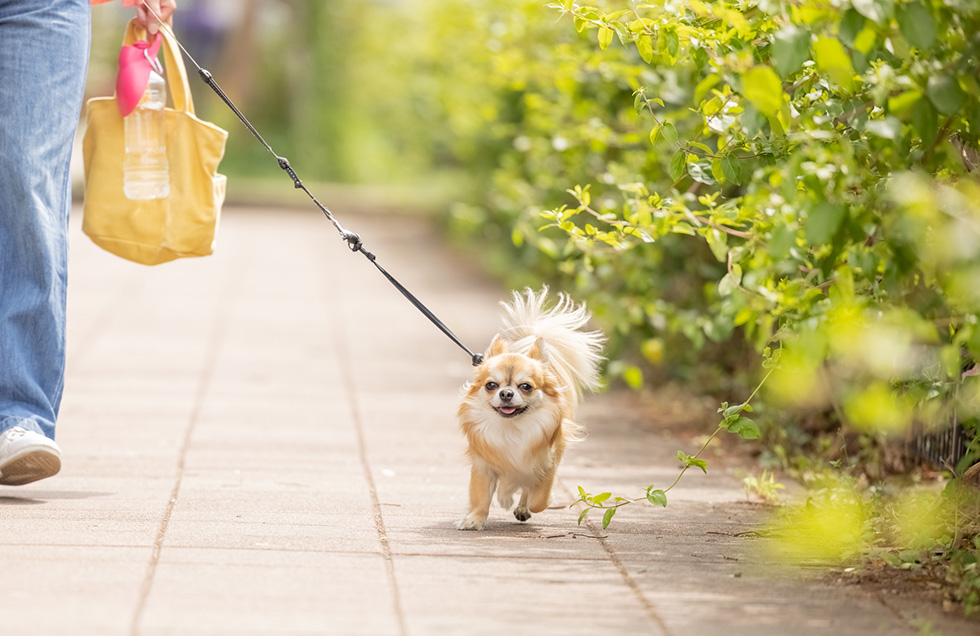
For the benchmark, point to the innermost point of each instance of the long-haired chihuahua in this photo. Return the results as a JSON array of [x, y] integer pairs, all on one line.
[[518, 412]]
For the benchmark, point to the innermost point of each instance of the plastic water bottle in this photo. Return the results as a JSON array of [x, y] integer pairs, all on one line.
[[146, 171]]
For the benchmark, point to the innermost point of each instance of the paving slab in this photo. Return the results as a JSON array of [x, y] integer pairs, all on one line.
[[263, 442]]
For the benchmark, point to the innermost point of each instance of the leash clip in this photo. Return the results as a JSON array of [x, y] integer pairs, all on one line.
[[353, 240]]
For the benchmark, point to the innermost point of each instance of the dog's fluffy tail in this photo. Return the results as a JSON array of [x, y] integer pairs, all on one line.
[[572, 351]]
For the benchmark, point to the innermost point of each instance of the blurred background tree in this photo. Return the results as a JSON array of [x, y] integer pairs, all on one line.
[[297, 69]]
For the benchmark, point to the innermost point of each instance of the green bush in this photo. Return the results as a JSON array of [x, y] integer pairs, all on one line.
[[719, 178], [722, 177]]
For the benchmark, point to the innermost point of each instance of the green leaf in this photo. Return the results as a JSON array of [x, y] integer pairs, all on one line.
[[727, 286], [917, 25], [581, 516], [731, 412], [683, 228], [697, 145], [701, 57], [655, 134], [672, 42], [790, 49], [745, 428], [736, 273], [701, 172], [717, 170], [761, 86], [833, 60], [945, 94], [689, 461], [657, 498], [669, 132], [605, 37], [644, 44], [598, 499], [732, 168], [678, 165], [638, 104], [606, 518]]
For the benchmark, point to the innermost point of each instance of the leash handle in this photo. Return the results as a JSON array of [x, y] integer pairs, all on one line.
[[352, 239]]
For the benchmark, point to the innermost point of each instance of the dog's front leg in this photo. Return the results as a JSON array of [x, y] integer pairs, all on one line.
[[541, 492], [521, 512], [482, 484]]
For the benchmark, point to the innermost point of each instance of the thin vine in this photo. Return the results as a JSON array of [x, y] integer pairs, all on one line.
[[732, 421]]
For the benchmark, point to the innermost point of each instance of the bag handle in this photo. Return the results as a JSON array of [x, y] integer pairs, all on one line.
[[180, 89]]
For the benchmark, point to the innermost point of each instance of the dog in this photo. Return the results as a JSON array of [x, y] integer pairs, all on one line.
[[518, 411]]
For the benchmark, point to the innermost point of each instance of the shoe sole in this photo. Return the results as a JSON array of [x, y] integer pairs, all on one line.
[[31, 464]]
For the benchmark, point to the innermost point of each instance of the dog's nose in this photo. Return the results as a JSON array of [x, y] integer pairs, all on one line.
[[507, 395]]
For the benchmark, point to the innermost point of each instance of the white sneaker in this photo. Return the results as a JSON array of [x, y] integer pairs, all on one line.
[[26, 456]]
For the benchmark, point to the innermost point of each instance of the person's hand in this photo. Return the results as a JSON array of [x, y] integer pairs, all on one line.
[[163, 8]]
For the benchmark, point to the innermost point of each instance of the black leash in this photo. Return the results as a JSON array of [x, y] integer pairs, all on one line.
[[352, 239]]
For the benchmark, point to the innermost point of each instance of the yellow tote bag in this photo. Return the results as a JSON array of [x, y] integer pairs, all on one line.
[[154, 231]]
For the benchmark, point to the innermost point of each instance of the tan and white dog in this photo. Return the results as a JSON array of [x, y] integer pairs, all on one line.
[[518, 412]]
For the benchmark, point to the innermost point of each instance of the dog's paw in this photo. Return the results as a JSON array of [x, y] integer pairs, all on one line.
[[521, 513], [471, 522]]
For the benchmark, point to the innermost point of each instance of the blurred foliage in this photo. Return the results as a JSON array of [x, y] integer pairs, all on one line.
[[934, 535], [721, 177]]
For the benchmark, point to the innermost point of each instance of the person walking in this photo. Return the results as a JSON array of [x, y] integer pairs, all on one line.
[[44, 52]]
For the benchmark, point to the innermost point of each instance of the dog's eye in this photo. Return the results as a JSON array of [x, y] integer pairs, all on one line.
[[525, 387], [491, 386]]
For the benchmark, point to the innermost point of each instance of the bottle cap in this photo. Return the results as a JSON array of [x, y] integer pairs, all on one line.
[[136, 60]]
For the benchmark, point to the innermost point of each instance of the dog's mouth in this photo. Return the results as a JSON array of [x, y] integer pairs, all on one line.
[[510, 411]]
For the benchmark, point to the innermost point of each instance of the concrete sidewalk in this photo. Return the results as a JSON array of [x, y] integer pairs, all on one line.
[[263, 442]]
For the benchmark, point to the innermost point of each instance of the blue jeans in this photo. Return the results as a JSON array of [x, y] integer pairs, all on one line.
[[44, 48]]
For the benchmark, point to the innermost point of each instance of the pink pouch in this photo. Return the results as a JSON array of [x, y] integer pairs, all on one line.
[[135, 62]]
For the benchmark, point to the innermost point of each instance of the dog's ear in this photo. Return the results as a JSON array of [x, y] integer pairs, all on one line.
[[537, 350], [497, 346]]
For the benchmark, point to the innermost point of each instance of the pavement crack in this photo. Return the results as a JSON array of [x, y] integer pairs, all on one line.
[[617, 562], [379, 523], [214, 341]]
